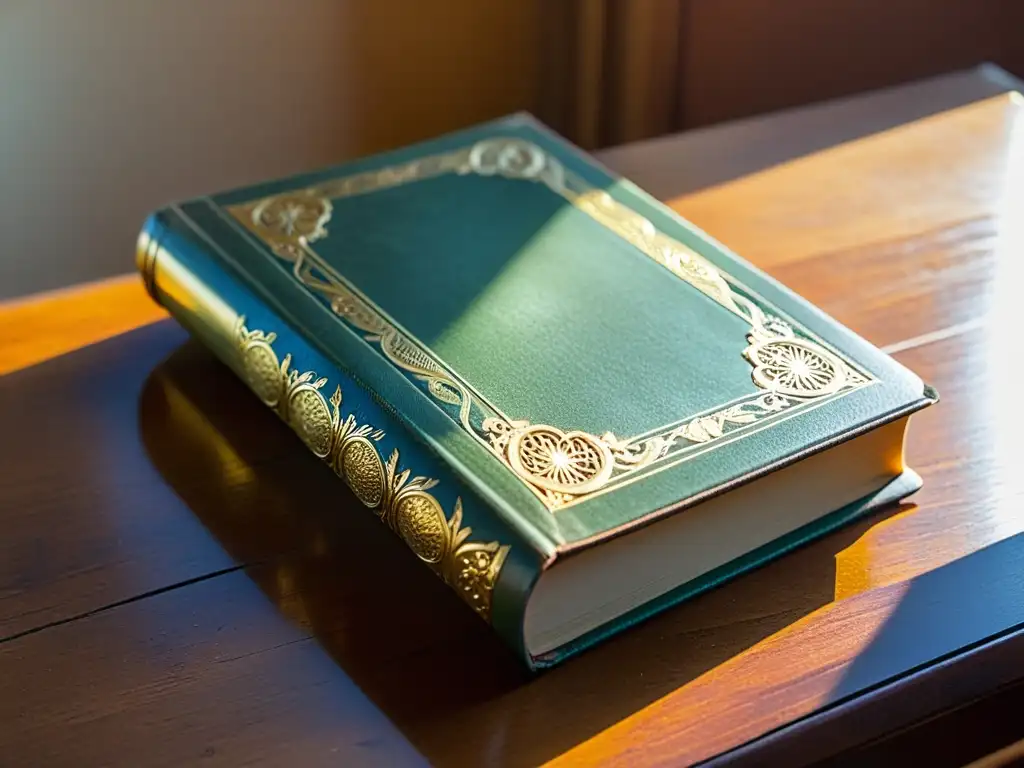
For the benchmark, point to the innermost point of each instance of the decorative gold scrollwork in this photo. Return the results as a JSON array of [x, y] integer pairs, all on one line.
[[402, 502], [639, 232], [398, 348], [564, 466], [560, 466]]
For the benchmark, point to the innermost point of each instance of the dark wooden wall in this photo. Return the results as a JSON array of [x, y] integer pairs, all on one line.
[[743, 57]]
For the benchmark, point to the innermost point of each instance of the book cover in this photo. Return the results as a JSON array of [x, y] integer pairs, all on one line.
[[513, 358]]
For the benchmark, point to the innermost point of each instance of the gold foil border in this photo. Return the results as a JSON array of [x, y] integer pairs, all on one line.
[[561, 466]]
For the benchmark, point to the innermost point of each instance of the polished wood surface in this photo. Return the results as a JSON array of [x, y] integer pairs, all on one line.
[[180, 581], [44, 326], [670, 166], [911, 238]]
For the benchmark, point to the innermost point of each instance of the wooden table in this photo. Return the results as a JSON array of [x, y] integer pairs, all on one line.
[[171, 593]]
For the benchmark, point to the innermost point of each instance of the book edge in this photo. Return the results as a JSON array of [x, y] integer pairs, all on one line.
[[899, 488]]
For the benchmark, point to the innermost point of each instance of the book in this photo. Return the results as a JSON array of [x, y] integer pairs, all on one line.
[[574, 406]]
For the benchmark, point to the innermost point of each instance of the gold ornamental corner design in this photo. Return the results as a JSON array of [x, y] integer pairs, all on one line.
[[402, 501], [790, 370]]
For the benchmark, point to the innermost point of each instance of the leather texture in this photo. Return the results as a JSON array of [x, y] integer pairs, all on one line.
[[555, 318], [552, 317]]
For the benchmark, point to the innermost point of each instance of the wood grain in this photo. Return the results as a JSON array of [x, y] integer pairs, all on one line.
[[47, 325], [681, 164], [180, 580], [853, 643], [933, 240], [913, 181], [83, 527], [218, 488], [184, 678]]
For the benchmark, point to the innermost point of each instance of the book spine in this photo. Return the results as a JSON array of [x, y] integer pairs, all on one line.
[[443, 521]]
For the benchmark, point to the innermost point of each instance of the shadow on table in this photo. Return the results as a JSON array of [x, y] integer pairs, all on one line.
[[430, 664], [943, 612]]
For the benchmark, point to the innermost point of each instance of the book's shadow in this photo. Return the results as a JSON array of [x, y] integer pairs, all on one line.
[[426, 661]]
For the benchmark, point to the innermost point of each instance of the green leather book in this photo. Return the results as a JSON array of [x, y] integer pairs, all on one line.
[[573, 406]]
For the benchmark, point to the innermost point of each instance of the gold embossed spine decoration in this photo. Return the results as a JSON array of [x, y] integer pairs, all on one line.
[[402, 501]]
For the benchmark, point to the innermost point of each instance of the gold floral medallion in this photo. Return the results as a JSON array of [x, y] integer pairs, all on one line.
[[422, 523], [360, 466], [261, 367], [310, 418]]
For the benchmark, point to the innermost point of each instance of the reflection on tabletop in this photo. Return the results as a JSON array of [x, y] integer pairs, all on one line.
[[432, 667]]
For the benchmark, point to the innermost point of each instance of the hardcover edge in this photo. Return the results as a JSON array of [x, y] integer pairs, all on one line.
[[929, 397], [897, 489]]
